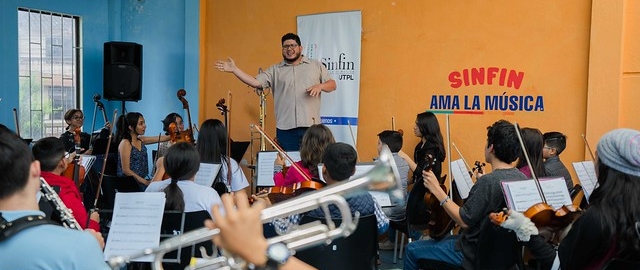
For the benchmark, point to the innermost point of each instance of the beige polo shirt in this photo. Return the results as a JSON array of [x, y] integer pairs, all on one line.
[[289, 83]]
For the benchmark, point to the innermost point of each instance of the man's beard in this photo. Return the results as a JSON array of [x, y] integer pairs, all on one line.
[[296, 57]]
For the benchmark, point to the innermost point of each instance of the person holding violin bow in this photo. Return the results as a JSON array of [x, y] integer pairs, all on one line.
[[501, 151], [54, 160], [607, 229], [133, 159], [314, 142]]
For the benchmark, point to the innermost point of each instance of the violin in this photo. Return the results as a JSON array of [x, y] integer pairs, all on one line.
[[477, 167], [188, 136], [75, 170], [440, 223], [177, 135], [281, 193]]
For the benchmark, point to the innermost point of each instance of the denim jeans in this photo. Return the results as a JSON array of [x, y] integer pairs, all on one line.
[[290, 139], [443, 250]]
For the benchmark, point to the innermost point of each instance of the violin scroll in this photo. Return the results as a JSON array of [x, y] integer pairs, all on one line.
[[477, 167]]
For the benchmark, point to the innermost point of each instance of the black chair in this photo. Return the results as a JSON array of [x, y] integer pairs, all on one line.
[[498, 249], [357, 251], [620, 264], [176, 223]]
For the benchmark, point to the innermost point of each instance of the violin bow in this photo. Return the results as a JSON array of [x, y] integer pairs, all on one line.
[[15, 121], [526, 157], [229, 174], [104, 162], [449, 156], [281, 151], [584, 138], [462, 157]]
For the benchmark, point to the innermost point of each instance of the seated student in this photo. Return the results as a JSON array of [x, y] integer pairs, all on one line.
[[501, 150], [339, 165], [212, 147], [52, 156], [183, 194], [314, 141], [44, 246], [170, 118], [241, 234], [393, 139], [75, 119], [532, 138], [554, 144], [132, 152]]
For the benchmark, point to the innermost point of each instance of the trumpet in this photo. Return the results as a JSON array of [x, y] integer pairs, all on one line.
[[383, 176]]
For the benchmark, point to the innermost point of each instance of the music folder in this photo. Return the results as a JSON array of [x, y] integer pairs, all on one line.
[[207, 174], [522, 194], [586, 173], [265, 165], [464, 183]]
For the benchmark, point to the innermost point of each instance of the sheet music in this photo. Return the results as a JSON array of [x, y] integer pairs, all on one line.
[[264, 168], [362, 168], [207, 173], [555, 191], [87, 161], [520, 194], [586, 173], [382, 198], [462, 177], [137, 217]]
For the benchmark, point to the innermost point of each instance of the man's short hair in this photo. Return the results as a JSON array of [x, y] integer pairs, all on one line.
[[502, 135], [555, 140], [391, 138], [49, 151], [340, 161], [289, 36], [15, 162]]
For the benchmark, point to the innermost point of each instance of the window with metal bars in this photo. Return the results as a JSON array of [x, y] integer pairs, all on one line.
[[49, 50]]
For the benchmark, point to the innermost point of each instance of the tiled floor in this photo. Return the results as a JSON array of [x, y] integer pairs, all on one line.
[[386, 259]]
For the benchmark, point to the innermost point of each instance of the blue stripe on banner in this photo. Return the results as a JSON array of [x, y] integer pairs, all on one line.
[[339, 121]]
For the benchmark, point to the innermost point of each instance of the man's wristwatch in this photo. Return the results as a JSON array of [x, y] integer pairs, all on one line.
[[277, 255]]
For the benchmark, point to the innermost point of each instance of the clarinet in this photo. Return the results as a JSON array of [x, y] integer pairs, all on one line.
[[65, 213]]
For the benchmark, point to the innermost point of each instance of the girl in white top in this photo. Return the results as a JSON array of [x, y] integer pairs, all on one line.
[[212, 147], [183, 194]]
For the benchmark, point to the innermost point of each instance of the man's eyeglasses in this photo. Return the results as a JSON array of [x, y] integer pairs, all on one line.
[[77, 117], [290, 46], [547, 147]]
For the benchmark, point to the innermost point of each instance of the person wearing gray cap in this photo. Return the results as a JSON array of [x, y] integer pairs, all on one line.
[[607, 229]]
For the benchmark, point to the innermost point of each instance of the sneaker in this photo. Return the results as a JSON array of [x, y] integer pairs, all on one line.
[[386, 245]]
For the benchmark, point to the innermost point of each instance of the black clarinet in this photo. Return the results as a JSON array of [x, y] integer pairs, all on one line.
[[66, 215]]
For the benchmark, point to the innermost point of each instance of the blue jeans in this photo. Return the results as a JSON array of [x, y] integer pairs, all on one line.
[[443, 250], [290, 139]]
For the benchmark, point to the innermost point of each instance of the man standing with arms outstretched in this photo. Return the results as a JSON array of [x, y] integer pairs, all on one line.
[[297, 83]]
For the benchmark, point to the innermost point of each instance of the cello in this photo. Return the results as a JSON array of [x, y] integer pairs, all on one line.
[[186, 135]]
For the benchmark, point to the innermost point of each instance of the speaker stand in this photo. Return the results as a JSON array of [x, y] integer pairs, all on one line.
[[124, 109]]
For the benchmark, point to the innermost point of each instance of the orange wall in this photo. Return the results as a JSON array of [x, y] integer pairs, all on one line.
[[408, 50]]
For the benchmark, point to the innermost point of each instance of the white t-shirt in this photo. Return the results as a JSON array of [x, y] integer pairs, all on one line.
[[238, 180], [196, 197]]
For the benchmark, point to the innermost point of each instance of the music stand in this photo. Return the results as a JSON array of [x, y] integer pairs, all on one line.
[[238, 149]]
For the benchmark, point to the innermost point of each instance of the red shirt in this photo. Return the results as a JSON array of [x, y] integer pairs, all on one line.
[[70, 196]]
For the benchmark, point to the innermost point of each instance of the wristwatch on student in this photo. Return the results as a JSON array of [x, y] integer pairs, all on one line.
[[277, 255]]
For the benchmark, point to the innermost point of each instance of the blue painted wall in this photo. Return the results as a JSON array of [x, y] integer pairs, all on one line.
[[168, 31]]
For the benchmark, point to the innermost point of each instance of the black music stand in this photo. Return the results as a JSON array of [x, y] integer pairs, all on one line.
[[238, 149]]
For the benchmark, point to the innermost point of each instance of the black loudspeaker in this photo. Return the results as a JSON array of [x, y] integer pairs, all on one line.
[[122, 71]]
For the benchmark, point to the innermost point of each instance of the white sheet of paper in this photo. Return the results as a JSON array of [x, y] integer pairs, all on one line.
[[555, 191], [520, 194], [87, 161], [362, 168], [207, 173], [586, 172], [264, 168], [137, 217], [382, 198], [462, 177]]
